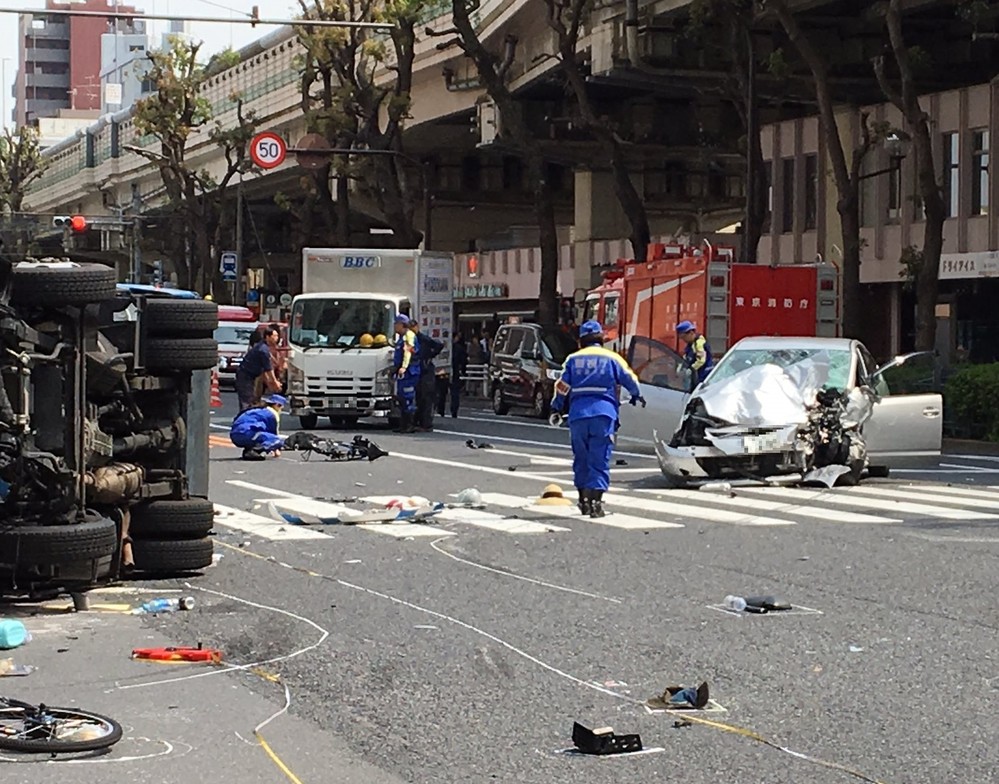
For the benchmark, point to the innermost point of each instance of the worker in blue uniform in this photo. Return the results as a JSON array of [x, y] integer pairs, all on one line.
[[256, 428], [589, 388], [407, 372], [698, 352]]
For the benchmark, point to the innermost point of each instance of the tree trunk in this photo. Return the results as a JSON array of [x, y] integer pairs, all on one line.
[[849, 297], [758, 209], [544, 206], [630, 199], [343, 211], [927, 276]]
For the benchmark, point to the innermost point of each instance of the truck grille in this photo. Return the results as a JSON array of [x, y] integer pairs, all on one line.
[[359, 386]]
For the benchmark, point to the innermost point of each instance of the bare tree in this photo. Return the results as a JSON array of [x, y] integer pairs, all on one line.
[[351, 108], [567, 18], [846, 171], [175, 112], [905, 98], [493, 70], [21, 162]]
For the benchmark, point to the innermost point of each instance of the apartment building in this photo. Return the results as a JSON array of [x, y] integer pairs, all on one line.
[[59, 59], [804, 223]]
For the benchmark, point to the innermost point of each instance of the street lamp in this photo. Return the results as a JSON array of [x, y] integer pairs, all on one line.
[[312, 148], [896, 145]]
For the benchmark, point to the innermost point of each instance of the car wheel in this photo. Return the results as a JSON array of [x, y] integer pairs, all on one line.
[[35, 545], [172, 557], [308, 421], [181, 354], [499, 405], [541, 404], [191, 518], [183, 317], [42, 284]]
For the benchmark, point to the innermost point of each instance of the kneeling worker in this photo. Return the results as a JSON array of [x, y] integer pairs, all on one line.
[[256, 429], [589, 387]]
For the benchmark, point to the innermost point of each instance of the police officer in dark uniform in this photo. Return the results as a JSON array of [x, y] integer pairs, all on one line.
[[589, 387]]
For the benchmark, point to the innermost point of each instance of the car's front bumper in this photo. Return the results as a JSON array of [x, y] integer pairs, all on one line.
[[732, 448]]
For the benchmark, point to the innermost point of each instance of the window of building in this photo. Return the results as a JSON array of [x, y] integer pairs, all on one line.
[[951, 173], [811, 192], [980, 172], [894, 182], [787, 196]]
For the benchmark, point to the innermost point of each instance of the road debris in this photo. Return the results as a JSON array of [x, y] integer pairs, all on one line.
[[552, 496], [856, 649], [760, 605], [681, 698], [471, 444], [358, 449], [603, 740], [9, 669], [13, 634], [199, 654], [155, 606]]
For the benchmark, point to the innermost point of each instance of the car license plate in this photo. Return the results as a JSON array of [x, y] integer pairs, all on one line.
[[754, 445]]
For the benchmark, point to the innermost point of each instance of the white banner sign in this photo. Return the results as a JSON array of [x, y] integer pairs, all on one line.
[[983, 264]]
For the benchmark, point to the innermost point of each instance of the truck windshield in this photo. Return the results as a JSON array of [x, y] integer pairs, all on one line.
[[339, 322], [227, 333]]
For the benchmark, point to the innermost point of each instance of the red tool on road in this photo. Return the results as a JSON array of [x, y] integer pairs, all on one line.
[[199, 654]]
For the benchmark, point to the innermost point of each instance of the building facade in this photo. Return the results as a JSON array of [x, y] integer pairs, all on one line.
[[59, 60], [804, 223]]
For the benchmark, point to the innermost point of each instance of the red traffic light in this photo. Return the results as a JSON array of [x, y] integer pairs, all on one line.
[[78, 223]]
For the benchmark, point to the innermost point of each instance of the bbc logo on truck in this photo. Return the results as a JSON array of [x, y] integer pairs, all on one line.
[[360, 262]]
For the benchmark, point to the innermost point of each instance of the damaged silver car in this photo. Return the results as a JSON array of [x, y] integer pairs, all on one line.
[[817, 408]]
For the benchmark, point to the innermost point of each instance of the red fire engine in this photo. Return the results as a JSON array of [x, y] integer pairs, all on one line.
[[726, 300]]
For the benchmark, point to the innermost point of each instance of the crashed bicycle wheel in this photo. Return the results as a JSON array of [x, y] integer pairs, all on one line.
[[40, 729]]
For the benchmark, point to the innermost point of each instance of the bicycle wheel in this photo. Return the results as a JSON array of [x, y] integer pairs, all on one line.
[[41, 729]]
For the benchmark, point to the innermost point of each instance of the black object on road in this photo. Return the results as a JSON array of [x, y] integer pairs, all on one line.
[[603, 740], [470, 443], [765, 604], [358, 449]]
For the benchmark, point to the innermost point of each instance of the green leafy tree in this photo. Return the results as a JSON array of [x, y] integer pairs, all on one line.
[[568, 20], [21, 162], [175, 114], [347, 101], [493, 69]]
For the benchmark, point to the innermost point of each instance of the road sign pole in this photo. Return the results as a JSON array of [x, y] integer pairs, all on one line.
[[238, 288]]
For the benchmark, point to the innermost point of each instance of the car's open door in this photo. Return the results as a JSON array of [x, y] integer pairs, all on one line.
[[908, 418], [665, 380]]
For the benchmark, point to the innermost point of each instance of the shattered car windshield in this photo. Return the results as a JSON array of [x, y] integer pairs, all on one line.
[[825, 367], [339, 321]]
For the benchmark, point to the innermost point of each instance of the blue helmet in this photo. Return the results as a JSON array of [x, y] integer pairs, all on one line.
[[275, 400], [591, 327], [402, 318], [685, 326]]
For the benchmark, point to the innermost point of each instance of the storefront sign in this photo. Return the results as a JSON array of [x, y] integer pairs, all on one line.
[[482, 291], [954, 266]]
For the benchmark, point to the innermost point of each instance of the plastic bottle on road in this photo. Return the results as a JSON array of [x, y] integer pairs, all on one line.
[[735, 604], [12, 634], [165, 605]]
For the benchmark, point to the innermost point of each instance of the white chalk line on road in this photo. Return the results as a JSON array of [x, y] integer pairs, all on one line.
[[523, 578]]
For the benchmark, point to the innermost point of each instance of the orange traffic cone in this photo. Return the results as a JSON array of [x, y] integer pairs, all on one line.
[[216, 393]]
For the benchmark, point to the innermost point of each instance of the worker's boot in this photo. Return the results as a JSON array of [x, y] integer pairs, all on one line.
[[584, 501], [407, 425], [597, 504]]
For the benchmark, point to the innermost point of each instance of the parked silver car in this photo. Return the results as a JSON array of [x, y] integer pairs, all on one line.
[[819, 407]]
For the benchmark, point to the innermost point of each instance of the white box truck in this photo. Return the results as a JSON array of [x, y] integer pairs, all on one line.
[[349, 293]]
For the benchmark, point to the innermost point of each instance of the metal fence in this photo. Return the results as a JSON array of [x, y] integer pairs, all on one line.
[[476, 380]]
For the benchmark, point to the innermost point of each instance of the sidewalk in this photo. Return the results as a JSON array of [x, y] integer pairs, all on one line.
[[191, 730]]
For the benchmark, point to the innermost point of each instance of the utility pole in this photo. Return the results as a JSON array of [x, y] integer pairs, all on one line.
[[752, 139], [136, 234], [237, 294]]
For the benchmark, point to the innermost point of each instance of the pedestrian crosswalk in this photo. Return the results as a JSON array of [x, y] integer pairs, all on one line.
[[278, 514]]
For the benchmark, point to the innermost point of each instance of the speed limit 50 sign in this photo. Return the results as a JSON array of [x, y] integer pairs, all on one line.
[[268, 150]]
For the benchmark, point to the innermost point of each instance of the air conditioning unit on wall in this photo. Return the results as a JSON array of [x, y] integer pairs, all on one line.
[[487, 118]]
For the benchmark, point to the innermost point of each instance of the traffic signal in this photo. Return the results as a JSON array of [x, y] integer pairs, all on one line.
[[75, 223]]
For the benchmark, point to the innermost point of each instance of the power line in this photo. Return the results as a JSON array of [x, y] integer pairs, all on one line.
[[250, 20]]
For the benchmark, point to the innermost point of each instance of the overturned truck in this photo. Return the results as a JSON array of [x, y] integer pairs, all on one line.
[[103, 429]]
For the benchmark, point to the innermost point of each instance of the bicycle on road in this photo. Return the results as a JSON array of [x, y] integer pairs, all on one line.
[[42, 729]]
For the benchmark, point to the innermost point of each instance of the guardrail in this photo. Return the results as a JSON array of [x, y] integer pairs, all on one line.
[[476, 378]]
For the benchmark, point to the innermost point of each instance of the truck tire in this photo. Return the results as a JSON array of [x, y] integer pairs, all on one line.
[[58, 544], [181, 354], [540, 406], [191, 518], [500, 407], [308, 421], [41, 284], [171, 556], [181, 317]]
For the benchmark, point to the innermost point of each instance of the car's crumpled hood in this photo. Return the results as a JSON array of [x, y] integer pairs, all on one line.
[[764, 395]]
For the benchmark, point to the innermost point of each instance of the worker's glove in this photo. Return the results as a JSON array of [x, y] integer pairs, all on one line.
[[638, 399]]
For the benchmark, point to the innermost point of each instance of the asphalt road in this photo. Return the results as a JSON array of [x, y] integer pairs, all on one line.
[[463, 649]]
